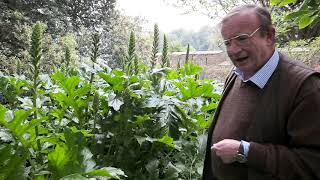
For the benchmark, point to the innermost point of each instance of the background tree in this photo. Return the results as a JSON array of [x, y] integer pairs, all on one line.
[[301, 13], [63, 15], [175, 46], [80, 19], [202, 40]]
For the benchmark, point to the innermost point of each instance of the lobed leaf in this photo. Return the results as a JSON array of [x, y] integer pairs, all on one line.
[[304, 21]]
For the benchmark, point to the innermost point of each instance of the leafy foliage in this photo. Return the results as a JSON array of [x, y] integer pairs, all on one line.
[[297, 19], [134, 125], [308, 14], [306, 51], [67, 126]]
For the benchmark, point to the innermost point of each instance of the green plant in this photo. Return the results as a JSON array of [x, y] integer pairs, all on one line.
[[306, 51], [147, 125], [36, 53], [306, 15], [155, 47], [94, 55], [187, 55], [131, 56], [165, 62]]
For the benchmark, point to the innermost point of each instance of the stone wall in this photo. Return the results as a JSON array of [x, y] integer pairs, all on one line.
[[216, 64]]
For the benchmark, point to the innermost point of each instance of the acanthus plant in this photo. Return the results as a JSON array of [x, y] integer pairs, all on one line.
[[118, 124]]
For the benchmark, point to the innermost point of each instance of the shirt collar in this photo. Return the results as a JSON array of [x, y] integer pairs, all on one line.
[[261, 77]]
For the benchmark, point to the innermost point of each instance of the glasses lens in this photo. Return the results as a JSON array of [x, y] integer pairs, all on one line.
[[242, 39]]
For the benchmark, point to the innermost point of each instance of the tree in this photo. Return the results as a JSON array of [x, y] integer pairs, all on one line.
[[308, 13], [303, 14], [200, 40], [212, 8], [80, 19], [63, 15], [18, 16], [12, 25], [175, 46], [114, 43]]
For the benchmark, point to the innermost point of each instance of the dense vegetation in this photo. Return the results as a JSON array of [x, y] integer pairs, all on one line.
[[134, 123], [86, 95]]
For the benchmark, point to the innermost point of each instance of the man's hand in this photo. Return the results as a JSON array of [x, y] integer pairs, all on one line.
[[226, 149]]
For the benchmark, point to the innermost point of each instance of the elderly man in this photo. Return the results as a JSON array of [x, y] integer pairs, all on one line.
[[267, 124]]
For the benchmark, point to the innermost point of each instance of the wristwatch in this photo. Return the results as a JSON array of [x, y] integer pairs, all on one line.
[[240, 156]]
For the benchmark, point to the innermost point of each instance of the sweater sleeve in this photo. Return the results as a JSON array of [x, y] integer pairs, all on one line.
[[300, 158]]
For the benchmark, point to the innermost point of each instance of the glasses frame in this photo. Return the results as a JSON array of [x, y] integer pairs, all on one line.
[[227, 42]]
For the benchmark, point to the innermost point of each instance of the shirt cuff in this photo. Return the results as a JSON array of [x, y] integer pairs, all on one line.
[[246, 146]]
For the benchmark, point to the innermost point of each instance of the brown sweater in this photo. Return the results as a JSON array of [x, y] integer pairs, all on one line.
[[233, 122], [284, 132]]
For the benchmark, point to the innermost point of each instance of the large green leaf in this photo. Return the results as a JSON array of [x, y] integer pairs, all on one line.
[[74, 177], [191, 88], [110, 172], [70, 84], [295, 14], [142, 119], [315, 20], [173, 74], [71, 156], [153, 169], [207, 89], [202, 122], [209, 107], [282, 2], [115, 80], [58, 76], [285, 2], [304, 21], [141, 140], [12, 162], [115, 172], [20, 126], [171, 172], [167, 140], [190, 69], [83, 90], [10, 88], [274, 2], [115, 102], [99, 172]]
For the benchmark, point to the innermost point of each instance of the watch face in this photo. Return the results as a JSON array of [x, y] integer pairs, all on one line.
[[240, 158]]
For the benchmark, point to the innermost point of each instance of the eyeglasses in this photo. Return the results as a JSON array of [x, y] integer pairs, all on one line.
[[241, 39]]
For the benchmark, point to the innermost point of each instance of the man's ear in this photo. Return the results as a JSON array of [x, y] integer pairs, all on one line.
[[271, 36]]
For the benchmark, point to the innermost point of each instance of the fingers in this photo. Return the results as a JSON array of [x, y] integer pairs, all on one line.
[[226, 149]]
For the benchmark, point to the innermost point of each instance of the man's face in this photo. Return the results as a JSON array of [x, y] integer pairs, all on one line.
[[250, 54]]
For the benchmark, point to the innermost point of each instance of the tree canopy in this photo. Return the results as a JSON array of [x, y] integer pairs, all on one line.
[[297, 19]]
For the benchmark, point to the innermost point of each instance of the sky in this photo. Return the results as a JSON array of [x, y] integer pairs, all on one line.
[[167, 17]]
